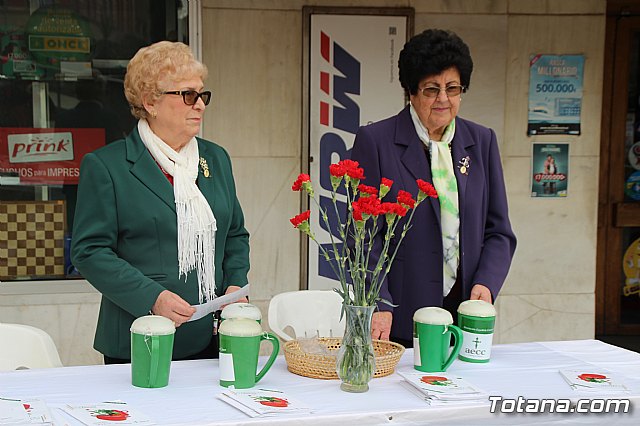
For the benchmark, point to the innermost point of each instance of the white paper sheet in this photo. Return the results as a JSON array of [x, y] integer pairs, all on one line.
[[218, 302]]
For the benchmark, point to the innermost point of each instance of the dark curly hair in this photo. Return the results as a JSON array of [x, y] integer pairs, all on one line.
[[430, 53]]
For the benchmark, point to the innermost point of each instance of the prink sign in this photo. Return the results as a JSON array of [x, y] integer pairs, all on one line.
[[40, 147], [339, 121]]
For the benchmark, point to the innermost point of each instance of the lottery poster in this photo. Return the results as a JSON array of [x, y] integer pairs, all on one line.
[[555, 94], [550, 170]]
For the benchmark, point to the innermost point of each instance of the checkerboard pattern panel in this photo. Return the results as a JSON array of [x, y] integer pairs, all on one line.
[[31, 239]]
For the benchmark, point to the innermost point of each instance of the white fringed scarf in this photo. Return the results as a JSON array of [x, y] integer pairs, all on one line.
[[196, 222]]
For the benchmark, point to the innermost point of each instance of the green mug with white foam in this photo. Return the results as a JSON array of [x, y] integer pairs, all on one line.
[[151, 351], [432, 331], [477, 320], [239, 350]]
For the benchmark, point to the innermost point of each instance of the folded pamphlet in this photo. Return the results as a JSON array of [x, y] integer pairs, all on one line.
[[444, 388], [263, 402], [107, 413], [599, 381], [24, 412]]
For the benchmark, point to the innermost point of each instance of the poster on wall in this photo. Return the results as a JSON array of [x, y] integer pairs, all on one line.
[[352, 81], [550, 170], [46, 156], [555, 94], [631, 267]]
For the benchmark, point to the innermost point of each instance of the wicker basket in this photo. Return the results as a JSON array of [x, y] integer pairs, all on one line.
[[320, 366]]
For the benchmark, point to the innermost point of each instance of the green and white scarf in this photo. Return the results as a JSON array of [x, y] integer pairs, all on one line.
[[444, 180]]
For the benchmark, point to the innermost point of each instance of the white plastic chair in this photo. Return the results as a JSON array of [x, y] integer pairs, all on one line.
[[24, 346], [309, 313]]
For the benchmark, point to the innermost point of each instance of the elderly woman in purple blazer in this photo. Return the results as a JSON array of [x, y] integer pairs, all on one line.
[[461, 244]]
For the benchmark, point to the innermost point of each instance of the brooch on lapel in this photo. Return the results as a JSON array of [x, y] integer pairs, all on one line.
[[205, 167], [464, 165]]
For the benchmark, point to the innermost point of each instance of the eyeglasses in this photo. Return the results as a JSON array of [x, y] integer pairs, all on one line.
[[434, 91], [190, 97]]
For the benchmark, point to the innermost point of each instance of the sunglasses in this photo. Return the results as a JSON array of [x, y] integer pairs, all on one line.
[[434, 91], [190, 97]]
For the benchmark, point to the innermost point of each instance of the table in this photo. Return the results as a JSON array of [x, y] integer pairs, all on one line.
[[529, 370]]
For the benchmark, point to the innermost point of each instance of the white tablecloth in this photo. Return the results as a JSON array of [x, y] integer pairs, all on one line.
[[529, 370]]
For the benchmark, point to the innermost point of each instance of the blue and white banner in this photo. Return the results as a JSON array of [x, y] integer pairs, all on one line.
[[555, 94], [353, 80]]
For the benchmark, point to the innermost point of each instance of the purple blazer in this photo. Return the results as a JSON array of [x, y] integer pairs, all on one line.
[[391, 148]]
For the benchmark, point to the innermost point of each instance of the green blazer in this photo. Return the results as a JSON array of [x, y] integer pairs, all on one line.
[[125, 239]]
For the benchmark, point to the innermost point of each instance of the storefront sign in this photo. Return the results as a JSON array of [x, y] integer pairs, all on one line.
[[46, 156], [53, 44], [555, 94], [353, 80], [56, 34]]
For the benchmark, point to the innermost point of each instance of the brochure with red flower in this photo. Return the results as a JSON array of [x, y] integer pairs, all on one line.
[[594, 381], [443, 387], [107, 413], [24, 412], [263, 402]]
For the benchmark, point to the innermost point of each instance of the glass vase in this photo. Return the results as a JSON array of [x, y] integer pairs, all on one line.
[[356, 360]]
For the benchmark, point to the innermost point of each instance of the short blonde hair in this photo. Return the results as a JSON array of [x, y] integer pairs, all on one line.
[[161, 61]]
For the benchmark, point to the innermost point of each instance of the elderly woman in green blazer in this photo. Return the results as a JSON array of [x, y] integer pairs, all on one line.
[[158, 226]]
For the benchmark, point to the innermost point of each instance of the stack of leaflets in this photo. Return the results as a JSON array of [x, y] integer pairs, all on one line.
[[443, 388], [107, 413], [24, 412], [263, 402], [593, 381]]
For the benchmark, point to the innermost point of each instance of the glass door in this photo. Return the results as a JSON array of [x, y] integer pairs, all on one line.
[[62, 65], [618, 294]]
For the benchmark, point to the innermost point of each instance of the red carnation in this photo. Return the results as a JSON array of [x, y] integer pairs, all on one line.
[[337, 170], [352, 169], [297, 220], [356, 173], [386, 182], [349, 164], [406, 199], [302, 178], [368, 190], [427, 189], [393, 208], [369, 205], [399, 209], [357, 212]]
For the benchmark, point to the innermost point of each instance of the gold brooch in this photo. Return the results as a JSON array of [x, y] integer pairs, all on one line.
[[205, 167], [464, 165]]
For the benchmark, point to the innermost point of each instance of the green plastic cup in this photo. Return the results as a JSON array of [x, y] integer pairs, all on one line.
[[151, 351], [432, 331], [477, 320], [239, 351]]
